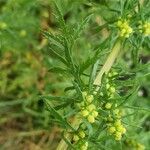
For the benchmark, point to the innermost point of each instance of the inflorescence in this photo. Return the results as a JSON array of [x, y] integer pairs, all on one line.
[[91, 111], [124, 28], [144, 28]]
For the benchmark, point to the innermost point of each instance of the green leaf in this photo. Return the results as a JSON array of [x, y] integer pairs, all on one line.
[[78, 89], [137, 108], [93, 74], [58, 56], [55, 98], [55, 39], [80, 27], [58, 70], [60, 19], [130, 96], [58, 116]]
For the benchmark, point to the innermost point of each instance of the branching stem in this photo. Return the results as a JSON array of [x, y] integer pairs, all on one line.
[[105, 69]]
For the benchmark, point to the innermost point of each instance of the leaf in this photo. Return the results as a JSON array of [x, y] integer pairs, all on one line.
[[79, 91], [68, 54], [60, 18], [130, 96], [58, 116], [64, 105], [56, 98], [55, 39], [57, 70], [80, 27], [93, 74], [69, 88], [137, 108], [58, 56], [89, 61]]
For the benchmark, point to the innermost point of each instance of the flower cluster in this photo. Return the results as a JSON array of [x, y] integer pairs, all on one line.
[[78, 138], [88, 109], [109, 87], [84, 146], [116, 128], [144, 28], [113, 117], [134, 144], [125, 29]]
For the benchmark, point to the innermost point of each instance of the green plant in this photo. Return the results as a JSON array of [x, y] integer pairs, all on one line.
[[97, 107]]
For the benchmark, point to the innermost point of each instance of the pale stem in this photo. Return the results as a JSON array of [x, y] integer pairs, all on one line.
[[108, 64]]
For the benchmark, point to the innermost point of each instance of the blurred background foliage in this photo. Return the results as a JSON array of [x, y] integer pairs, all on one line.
[[25, 62]]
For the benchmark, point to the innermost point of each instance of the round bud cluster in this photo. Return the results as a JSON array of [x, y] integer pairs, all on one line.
[[110, 87], [134, 144], [88, 109], [116, 129], [125, 29], [108, 105], [80, 135], [114, 125], [84, 146], [144, 28], [117, 113], [79, 138]]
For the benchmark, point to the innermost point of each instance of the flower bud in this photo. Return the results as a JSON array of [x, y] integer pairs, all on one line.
[[91, 119], [85, 113], [111, 130], [89, 98], [81, 134], [94, 113], [108, 105], [84, 94], [112, 89], [75, 138], [118, 136], [91, 107]]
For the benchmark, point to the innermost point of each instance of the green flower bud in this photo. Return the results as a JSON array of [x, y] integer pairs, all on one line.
[[108, 105], [81, 134], [89, 98], [118, 136], [94, 113], [91, 107], [91, 119], [75, 138], [112, 89], [85, 113], [111, 130]]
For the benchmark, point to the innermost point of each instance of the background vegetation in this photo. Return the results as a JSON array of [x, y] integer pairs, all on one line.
[[26, 62]]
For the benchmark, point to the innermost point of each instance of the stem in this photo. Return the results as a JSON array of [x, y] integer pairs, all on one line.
[[105, 69], [109, 62]]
